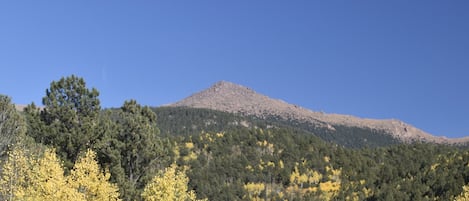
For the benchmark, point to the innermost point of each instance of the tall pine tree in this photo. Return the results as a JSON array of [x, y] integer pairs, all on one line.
[[68, 120], [142, 151]]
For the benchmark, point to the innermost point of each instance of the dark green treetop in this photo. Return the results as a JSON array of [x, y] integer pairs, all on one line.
[[69, 118]]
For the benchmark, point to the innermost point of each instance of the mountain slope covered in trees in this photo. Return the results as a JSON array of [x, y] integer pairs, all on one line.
[[190, 121], [140, 153], [233, 98]]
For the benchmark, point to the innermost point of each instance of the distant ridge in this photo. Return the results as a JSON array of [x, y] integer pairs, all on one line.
[[20, 107], [234, 98]]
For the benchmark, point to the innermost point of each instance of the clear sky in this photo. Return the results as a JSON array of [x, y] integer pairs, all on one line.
[[407, 60]]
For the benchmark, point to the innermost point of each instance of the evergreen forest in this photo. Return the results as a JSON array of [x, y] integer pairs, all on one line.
[[70, 148]]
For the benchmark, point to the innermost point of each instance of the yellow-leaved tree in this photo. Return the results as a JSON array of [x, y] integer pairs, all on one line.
[[39, 177], [254, 191], [45, 180], [89, 180], [464, 196], [14, 171], [169, 185]]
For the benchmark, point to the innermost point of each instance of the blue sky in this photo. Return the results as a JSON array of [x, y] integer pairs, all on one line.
[[407, 60]]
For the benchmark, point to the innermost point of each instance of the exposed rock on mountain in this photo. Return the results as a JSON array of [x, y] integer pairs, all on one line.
[[234, 98]]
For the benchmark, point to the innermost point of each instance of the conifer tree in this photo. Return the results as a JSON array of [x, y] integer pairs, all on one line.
[[71, 110], [142, 151], [69, 118], [12, 124]]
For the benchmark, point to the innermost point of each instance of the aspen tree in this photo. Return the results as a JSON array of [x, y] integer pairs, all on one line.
[[89, 180], [170, 185]]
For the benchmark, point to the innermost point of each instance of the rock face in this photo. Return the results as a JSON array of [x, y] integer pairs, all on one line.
[[234, 98]]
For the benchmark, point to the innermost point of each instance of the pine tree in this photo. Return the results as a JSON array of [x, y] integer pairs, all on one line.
[[108, 148], [12, 125], [68, 121], [142, 150]]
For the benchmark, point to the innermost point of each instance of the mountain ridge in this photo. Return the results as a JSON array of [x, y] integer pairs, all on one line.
[[230, 97]]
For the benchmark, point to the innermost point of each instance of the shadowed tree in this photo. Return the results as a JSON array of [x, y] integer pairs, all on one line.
[[142, 150], [12, 124], [69, 118]]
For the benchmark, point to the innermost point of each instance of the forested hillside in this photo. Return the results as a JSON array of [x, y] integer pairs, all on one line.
[[72, 149], [186, 121], [234, 98]]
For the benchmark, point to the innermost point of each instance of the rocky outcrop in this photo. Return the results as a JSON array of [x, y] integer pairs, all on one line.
[[234, 98]]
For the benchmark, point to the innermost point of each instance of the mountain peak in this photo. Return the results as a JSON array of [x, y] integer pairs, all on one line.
[[229, 87], [234, 98], [224, 96], [223, 83]]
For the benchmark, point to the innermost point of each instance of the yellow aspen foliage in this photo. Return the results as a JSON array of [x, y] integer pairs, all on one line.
[[189, 145], [14, 172], [206, 137], [262, 143], [254, 190], [89, 180], [268, 148], [270, 164], [46, 181], [330, 188], [464, 196], [280, 164], [220, 135], [362, 182], [334, 174], [190, 156], [310, 177], [27, 176], [314, 177], [261, 165], [302, 183], [295, 176], [368, 192], [327, 159], [168, 185]]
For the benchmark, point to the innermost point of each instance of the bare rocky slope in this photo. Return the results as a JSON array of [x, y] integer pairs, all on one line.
[[234, 98]]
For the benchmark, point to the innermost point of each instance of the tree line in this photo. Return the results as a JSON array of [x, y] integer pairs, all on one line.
[[72, 149]]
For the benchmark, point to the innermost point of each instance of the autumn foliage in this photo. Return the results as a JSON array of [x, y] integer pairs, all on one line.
[[41, 177], [71, 149]]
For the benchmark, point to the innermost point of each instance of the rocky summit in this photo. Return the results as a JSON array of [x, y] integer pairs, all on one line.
[[234, 98]]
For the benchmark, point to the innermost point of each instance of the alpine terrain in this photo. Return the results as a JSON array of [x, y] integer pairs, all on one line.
[[230, 97]]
